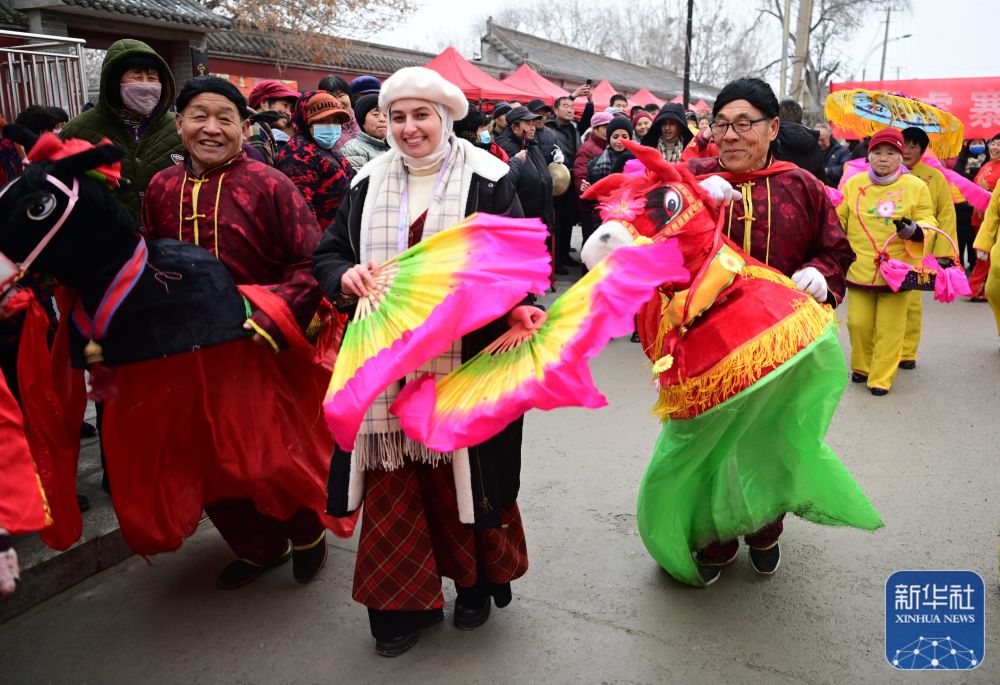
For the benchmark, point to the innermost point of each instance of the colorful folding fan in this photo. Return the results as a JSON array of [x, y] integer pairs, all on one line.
[[541, 369], [429, 296]]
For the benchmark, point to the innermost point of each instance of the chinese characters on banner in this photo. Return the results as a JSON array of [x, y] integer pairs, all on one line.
[[975, 101]]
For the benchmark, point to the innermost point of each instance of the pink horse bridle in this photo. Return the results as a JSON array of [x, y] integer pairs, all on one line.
[[10, 272]]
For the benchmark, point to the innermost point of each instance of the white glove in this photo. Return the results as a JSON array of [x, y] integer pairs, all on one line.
[[982, 254], [8, 567], [720, 189], [557, 155], [810, 280]]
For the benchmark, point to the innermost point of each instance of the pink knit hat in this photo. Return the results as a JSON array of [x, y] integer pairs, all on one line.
[[601, 119]]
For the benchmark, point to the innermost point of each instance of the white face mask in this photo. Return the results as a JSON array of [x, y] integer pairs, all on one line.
[[141, 98]]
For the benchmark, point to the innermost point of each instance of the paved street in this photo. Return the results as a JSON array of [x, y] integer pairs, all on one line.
[[594, 607]]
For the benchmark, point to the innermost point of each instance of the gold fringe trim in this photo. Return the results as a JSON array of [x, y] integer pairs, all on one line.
[[745, 365], [765, 274]]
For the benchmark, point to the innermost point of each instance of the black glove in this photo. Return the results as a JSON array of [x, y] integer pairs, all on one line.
[[907, 230], [945, 262]]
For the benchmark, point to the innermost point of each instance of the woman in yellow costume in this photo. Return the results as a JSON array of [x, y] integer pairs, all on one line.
[[876, 205], [987, 243]]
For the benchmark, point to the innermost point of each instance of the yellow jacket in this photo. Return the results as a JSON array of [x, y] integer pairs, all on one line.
[[944, 210], [873, 207], [987, 236]]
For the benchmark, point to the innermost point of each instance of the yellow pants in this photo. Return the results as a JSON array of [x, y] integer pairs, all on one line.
[[877, 323], [993, 284], [914, 320]]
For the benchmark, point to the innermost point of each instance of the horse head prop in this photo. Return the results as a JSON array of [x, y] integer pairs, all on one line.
[[652, 200], [732, 321]]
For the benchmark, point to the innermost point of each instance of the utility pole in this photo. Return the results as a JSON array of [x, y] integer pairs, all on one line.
[[798, 88], [885, 43], [687, 56], [784, 47]]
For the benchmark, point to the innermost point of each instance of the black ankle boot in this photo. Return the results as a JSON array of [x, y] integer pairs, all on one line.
[[472, 607]]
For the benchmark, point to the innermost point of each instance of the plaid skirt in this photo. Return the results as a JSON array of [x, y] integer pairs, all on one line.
[[411, 537]]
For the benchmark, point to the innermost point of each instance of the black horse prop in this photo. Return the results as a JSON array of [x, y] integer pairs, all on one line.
[[184, 298], [195, 412]]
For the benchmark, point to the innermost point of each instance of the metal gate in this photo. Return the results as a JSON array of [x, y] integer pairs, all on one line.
[[41, 70]]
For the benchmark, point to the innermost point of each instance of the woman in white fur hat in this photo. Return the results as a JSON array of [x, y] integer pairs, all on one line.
[[427, 514]]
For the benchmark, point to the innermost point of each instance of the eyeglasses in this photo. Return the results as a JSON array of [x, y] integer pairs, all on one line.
[[742, 127]]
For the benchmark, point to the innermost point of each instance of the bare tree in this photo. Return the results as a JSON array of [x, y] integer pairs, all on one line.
[[311, 30], [651, 34], [833, 24]]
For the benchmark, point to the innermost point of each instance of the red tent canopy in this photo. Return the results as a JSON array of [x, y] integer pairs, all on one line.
[[644, 97], [473, 81], [701, 106], [679, 100], [526, 78]]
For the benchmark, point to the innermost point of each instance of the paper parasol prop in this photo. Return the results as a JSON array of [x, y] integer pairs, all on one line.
[[543, 369], [866, 112], [431, 295]]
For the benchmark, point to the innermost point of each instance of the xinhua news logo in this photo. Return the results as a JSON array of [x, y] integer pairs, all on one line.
[[935, 620]]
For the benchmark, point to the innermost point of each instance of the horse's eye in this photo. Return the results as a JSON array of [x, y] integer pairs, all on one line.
[[672, 203], [42, 207]]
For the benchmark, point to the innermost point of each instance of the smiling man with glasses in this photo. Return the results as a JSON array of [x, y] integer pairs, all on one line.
[[783, 218]]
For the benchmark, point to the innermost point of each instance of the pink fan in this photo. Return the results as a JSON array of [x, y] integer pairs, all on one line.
[[541, 369]]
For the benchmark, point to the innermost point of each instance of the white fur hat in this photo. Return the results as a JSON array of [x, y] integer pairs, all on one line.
[[424, 84]]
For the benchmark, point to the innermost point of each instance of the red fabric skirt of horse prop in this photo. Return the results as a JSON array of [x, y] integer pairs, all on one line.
[[229, 421]]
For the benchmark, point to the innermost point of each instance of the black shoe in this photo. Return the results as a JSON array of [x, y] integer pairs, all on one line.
[[468, 618], [858, 377], [765, 561], [569, 261], [397, 645], [87, 431], [308, 561], [501, 594], [560, 270], [241, 572], [709, 574], [83, 502], [908, 364], [879, 392], [635, 338]]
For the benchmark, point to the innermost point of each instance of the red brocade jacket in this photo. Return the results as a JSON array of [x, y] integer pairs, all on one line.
[[252, 218], [792, 222]]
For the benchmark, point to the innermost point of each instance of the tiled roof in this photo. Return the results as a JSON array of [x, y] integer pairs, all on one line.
[[177, 11], [12, 18], [349, 55], [555, 60]]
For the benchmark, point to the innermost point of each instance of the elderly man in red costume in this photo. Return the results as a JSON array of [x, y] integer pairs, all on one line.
[[780, 215], [258, 225]]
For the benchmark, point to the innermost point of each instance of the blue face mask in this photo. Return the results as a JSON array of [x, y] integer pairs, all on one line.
[[326, 135], [977, 149], [484, 137]]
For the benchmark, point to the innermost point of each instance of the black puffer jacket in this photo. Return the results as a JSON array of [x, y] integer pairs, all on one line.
[[496, 463], [531, 176], [670, 112], [800, 145]]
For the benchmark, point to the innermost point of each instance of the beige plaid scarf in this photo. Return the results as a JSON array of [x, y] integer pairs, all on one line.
[[381, 444], [671, 151]]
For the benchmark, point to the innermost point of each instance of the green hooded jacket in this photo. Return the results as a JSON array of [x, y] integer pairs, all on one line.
[[158, 139]]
